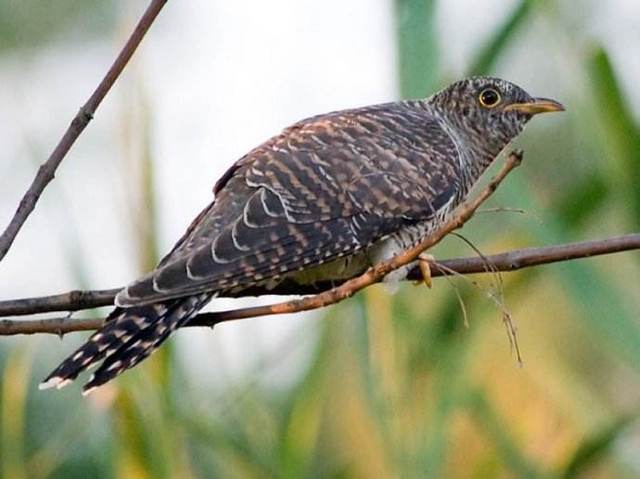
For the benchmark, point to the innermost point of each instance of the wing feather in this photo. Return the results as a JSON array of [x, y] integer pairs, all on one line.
[[324, 188]]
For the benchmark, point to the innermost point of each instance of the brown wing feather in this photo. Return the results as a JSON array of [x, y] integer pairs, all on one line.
[[324, 188]]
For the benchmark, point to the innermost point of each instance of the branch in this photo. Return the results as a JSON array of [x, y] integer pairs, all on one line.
[[504, 262], [508, 261], [47, 170], [334, 295]]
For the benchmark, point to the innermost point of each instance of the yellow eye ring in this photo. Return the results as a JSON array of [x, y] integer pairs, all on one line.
[[489, 97]]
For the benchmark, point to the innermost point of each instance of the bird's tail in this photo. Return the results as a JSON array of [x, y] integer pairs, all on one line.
[[128, 336]]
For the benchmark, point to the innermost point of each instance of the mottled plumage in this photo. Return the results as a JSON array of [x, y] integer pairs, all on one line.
[[315, 205]]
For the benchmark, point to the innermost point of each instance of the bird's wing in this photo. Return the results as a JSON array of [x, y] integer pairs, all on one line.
[[325, 188]]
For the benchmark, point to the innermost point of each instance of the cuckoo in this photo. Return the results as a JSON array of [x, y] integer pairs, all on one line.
[[316, 205]]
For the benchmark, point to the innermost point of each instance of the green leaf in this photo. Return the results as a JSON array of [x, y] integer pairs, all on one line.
[[602, 307], [303, 413], [582, 201], [14, 387], [503, 36], [617, 130], [595, 447], [32, 23], [451, 345], [505, 445], [417, 47]]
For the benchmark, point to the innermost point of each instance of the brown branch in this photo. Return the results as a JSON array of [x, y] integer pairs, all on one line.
[[71, 301], [527, 257], [334, 295], [508, 261], [47, 170]]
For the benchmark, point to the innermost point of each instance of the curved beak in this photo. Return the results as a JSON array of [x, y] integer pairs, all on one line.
[[537, 105]]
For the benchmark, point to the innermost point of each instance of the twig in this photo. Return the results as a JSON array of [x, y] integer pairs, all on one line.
[[505, 262], [350, 287], [503, 209], [47, 170], [527, 257], [71, 301], [508, 261]]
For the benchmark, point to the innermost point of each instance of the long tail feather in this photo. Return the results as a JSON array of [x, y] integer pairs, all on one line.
[[124, 333], [145, 342]]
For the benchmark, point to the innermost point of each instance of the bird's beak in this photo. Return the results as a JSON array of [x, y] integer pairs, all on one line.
[[538, 105]]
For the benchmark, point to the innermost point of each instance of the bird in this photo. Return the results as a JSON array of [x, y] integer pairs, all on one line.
[[316, 205]]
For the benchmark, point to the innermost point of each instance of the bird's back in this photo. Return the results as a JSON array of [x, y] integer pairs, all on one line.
[[325, 188]]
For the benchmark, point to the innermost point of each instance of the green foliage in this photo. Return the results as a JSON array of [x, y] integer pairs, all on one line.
[[396, 385], [620, 134], [32, 23], [417, 49], [501, 39], [594, 448]]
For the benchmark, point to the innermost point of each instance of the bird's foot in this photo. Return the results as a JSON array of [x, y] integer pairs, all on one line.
[[424, 260]]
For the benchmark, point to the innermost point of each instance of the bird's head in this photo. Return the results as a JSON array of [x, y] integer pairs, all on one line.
[[489, 112]]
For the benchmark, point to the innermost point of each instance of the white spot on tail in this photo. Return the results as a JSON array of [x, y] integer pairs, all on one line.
[[54, 382], [88, 391], [64, 383], [50, 383], [115, 365]]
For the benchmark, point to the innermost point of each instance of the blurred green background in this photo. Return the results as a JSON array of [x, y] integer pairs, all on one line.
[[395, 384]]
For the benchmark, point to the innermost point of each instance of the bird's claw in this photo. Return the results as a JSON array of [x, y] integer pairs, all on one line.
[[424, 261]]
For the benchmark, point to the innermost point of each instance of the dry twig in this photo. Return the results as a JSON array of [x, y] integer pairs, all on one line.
[[80, 300], [47, 170], [505, 262], [508, 261], [350, 287]]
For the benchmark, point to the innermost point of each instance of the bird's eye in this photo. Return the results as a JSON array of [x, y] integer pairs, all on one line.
[[489, 98]]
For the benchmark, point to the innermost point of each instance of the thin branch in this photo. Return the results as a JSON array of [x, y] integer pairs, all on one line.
[[71, 301], [503, 209], [348, 288], [47, 170], [527, 257], [509, 261]]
